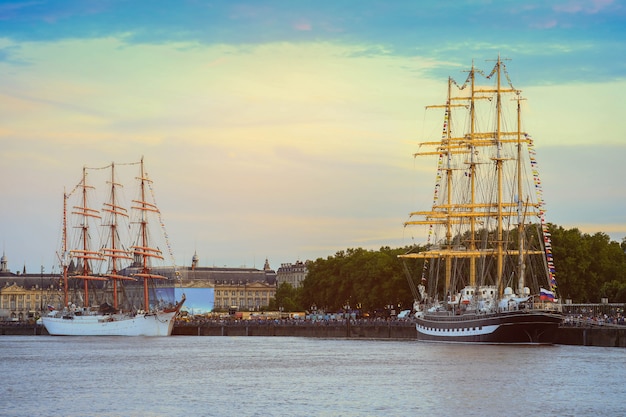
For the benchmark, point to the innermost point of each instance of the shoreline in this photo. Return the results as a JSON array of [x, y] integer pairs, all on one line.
[[599, 336]]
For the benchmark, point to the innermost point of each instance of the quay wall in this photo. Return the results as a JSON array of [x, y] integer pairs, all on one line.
[[606, 336], [323, 330]]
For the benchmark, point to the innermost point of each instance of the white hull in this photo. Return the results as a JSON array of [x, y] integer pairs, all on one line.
[[160, 324]]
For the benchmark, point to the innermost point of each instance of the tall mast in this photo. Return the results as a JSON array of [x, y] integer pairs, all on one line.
[[143, 250], [447, 146], [85, 253], [499, 160], [472, 163], [64, 255], [520, 202], [113, 251]]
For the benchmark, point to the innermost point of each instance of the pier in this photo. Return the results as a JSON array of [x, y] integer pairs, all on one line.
[[577, 333]]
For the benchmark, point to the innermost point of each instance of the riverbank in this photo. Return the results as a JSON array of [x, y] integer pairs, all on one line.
[[579, 335]]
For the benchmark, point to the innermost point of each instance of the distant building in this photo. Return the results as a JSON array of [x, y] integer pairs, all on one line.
[[22, 303], [292, 274], [25, 296], [247, 288]]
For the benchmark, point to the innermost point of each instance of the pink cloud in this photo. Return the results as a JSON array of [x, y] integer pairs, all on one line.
[[583, 6], [217, 62], [303, 25], [549, 24]]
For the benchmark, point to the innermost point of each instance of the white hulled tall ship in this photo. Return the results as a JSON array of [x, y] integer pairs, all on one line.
[[81, 261], [488, 274]]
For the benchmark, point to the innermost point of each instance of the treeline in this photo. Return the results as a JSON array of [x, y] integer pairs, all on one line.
[[588, 268]]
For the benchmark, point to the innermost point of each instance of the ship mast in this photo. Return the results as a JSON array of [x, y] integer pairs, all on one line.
[[499, 160], [64, 255], [520, 202], [85, 253], [145, 252], [447, 146], [472, 167], [113, 252]]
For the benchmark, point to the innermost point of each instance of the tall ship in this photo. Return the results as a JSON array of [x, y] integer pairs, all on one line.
[[488, 273], [109, 288]]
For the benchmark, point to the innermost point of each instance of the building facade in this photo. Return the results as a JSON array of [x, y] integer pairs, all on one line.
[[292, 274], [18, 303], [248, 289], [252, 296]]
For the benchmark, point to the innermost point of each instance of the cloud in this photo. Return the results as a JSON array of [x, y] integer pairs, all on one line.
[[291, 150], [545, 24], [302, 25], [279, 141], [583, 6]]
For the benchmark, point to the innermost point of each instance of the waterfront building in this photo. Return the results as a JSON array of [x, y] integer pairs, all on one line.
[[292, 274], [25, 302], [25, 296], [244, 288]]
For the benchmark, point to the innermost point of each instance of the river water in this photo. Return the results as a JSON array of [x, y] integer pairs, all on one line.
[[285, 376]]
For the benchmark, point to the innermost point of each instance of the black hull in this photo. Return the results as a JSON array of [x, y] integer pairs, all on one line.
[[535, 327]]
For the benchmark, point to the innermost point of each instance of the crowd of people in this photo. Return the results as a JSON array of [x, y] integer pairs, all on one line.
[[581, 320]]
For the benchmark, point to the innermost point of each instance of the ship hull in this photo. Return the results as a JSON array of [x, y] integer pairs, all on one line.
[[159, 324], [535, 327]]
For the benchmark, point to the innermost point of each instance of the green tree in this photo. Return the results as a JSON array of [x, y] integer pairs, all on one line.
[[587, 265], [286, 299], [363, 279]]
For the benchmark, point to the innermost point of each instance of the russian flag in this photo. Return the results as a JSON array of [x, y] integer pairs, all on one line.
[[546, 295], [50, 308]]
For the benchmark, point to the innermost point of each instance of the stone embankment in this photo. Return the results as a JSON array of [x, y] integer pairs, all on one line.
[[579, 334], [370, 330]]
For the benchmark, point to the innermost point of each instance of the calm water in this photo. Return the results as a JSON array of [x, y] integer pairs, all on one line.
[[257, 376]]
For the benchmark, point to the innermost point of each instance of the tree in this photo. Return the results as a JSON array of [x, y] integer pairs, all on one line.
[[286, 299], [362, 279], [587, 264], [588, 267]]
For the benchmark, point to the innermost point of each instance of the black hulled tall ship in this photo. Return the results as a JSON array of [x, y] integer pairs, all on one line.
[[488, 274]]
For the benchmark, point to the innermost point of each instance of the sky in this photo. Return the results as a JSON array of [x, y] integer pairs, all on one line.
[[285, 130]]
